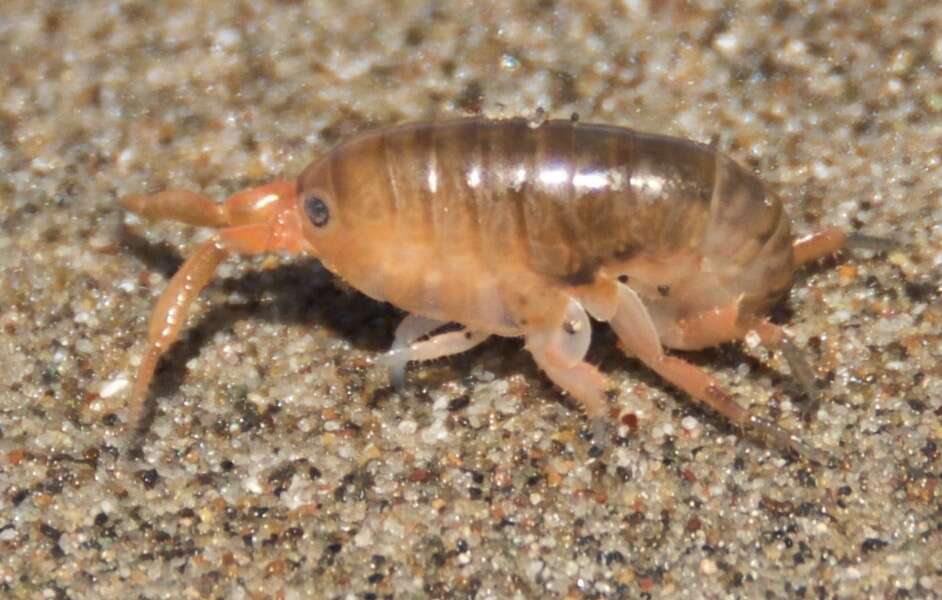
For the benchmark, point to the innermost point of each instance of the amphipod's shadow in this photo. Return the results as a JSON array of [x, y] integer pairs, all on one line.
[[301, 292]]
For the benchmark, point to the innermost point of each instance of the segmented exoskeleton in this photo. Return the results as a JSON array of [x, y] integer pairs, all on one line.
[[513, 229]]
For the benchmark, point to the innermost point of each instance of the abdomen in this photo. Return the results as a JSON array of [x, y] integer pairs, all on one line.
[[475, 200]]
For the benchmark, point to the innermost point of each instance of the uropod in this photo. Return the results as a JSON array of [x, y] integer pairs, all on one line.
[[513, 229]]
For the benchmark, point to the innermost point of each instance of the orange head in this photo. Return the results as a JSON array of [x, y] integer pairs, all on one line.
[[344, 206]]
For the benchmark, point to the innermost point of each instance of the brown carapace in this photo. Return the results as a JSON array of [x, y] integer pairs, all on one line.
[[514, 229]]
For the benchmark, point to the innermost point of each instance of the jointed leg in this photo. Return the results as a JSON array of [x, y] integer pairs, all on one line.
[[405, 349], [816, 245], [774, 336], [172, 307], [169, 315], [807, 249], [828, 241], [582, 381], [560, 351], [633, 326], [727, 324], [412, 328]]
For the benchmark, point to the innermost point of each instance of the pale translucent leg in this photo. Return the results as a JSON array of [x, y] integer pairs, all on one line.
[[560, 352], [582, 381], [412, 328], [634, 328], [406, 348]]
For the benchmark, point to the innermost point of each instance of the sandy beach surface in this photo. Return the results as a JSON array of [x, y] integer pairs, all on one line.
[[281, 464]]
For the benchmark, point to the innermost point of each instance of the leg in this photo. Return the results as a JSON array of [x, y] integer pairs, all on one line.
[[412, 328], [633, 326], [822, 243], [816, 245], [582, 381], [727, 324], [774, 336], [707, 329], [560, 353], [405, 350]]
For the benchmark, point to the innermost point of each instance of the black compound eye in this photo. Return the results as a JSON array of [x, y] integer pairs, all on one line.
[[317, 211]]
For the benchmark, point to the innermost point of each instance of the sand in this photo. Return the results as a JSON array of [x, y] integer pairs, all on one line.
[[280, 463]]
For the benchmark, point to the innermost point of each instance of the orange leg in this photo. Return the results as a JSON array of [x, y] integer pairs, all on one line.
[[256, 205], [168, 317], [816, 245], [710, 328], [807, 249], [582, 381], [275, 229], [633, 325], [727, 324]]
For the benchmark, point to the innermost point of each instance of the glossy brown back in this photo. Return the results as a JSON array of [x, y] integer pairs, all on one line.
[[561, 198]]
